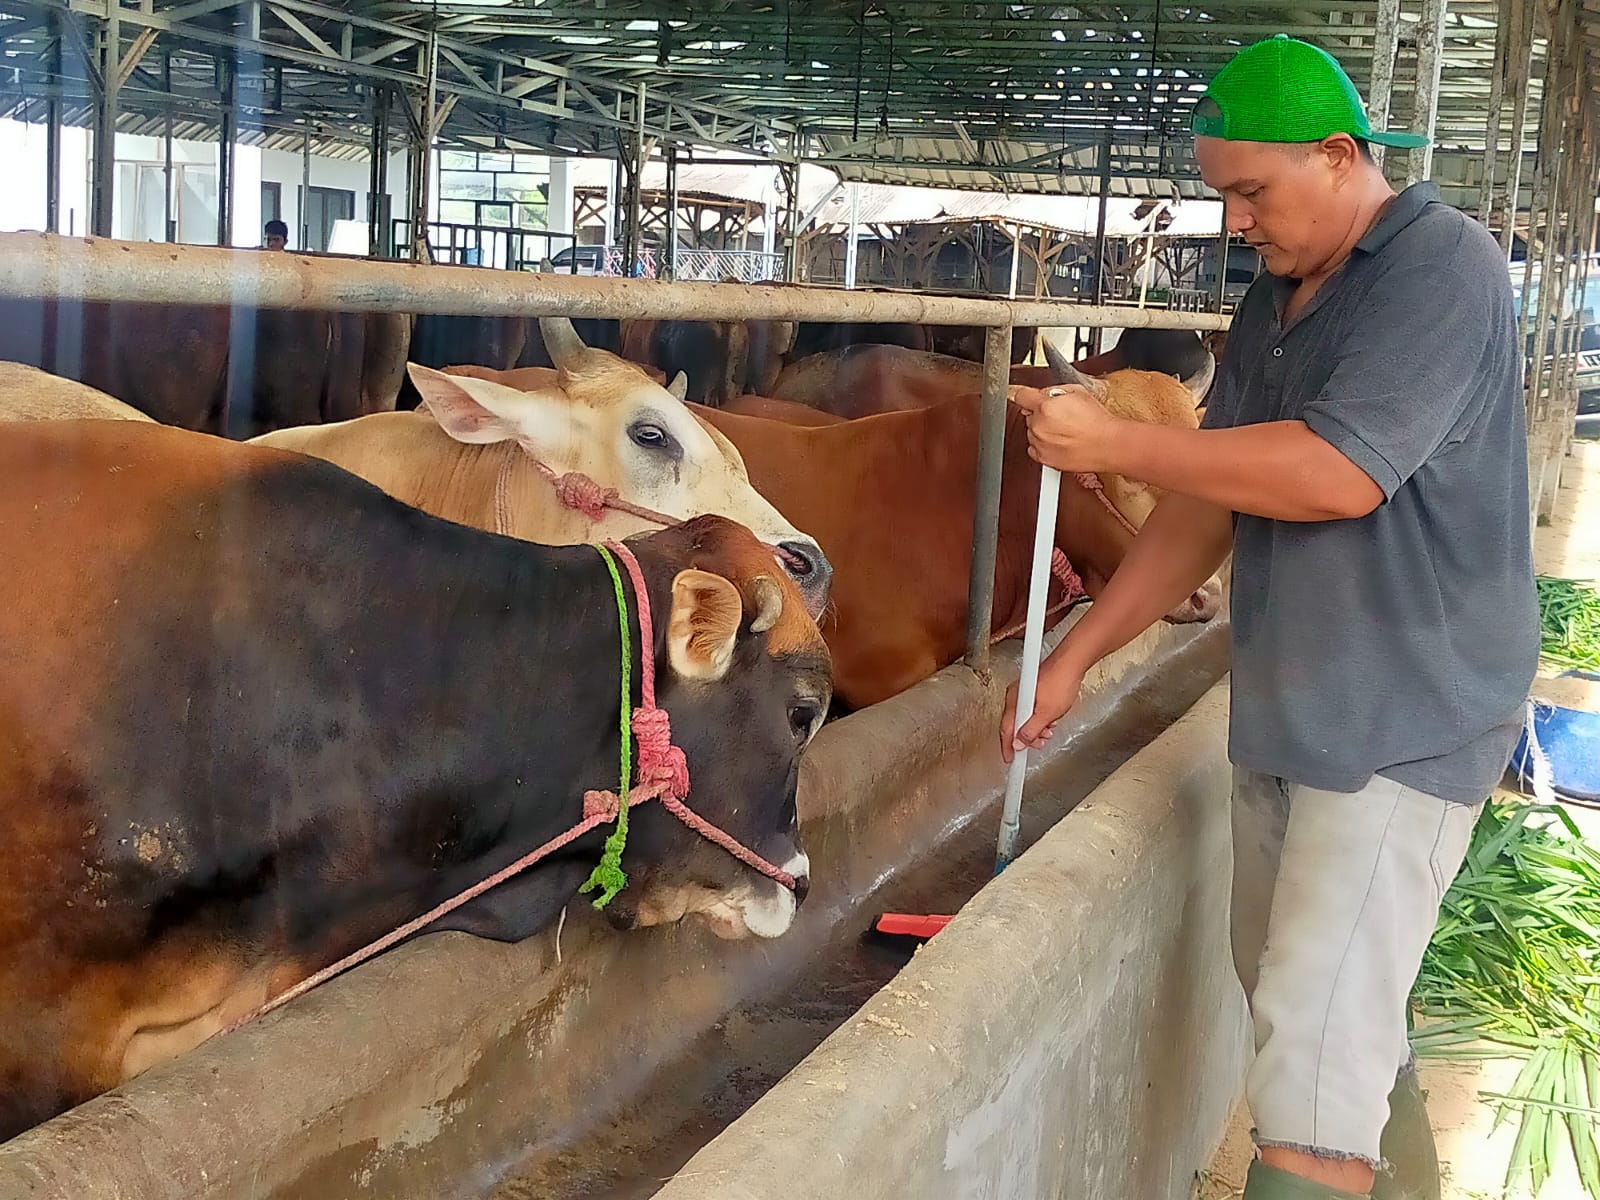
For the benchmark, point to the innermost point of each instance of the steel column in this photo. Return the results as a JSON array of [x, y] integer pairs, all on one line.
[[225, 150], [852, 245], [103, 185], [672, 210], [1222, 260], [1100, 231], [1504, 19], [421, 183], [52, 143], [169, 217], [378, 176], [1385, 46], [986, 512], [1425, 100], [1521, 16], [305, 188]]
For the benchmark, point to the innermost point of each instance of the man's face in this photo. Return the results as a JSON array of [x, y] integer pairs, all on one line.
[[276, 241], [1287, 201]]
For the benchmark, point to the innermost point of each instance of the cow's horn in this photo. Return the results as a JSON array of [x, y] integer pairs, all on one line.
[[769, 603], [562, 343], [1200, 382], [1064, 372], [679, 387]]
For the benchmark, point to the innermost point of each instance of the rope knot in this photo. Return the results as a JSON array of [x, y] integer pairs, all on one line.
[[577, 491], [602, 804], [1061, 568], [661, 764], [1088, 479]]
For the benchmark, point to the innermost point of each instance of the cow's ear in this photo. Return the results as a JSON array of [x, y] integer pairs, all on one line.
[[679, 387], [460, 413], [706, 614]]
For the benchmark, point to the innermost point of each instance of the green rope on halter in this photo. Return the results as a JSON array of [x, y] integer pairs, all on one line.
[[608, 876]]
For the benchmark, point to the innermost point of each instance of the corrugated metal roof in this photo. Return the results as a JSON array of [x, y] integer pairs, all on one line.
[[1009, 95]]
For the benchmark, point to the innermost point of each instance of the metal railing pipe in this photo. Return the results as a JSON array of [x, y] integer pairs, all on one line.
[[47, 266]]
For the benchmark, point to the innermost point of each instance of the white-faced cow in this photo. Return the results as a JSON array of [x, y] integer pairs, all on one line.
[[476, 458]]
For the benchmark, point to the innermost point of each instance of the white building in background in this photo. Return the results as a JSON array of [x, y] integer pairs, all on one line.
[[267, 185]]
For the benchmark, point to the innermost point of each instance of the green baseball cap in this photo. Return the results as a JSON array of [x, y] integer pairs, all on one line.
[[1286, 90]]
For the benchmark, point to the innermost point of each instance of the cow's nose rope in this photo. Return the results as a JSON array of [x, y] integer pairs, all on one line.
[[663, 774]]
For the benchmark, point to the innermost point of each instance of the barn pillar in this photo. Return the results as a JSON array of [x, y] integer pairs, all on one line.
[[421, 162], [853, 245], [1425, 108], [169, 216], [1385, 46], [227, 84], [630, 168], [1098, 335], [1519, 14], [378, 181], [672, 211], [52, 144], [103, 183]]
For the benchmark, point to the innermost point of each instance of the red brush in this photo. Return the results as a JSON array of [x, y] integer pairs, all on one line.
[[910, 925]]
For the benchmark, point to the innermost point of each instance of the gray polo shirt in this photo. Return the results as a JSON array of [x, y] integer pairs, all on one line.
[[1402, 643]]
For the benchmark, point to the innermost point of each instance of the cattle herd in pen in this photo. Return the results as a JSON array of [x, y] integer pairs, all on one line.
[[315, 620]]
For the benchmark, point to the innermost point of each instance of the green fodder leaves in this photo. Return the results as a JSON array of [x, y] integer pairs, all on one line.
[[1569, 620], [1515, 962]]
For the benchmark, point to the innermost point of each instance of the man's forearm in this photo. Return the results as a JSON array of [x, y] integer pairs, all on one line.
[[1280, 470], [1182, 544]]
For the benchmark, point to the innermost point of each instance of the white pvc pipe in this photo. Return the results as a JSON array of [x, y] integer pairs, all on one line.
[[1044, 537], [853, 239]]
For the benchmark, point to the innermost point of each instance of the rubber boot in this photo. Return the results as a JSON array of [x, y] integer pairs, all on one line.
[[1407, 1144], [1269, 1183]]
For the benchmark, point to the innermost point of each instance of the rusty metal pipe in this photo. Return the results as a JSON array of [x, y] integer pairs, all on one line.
[[986, 512], [47, 266]]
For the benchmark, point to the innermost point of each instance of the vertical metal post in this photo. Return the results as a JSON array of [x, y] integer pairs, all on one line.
[[1222, 260], [790, 173], [225, 150], [986, 512], [1521, 56], [52, 143], [1100, 234], [1385, 46], [1537, 205], [305, 188], [852, 245], [631, 162], [103, 186], [422, 151], [168, 203], [1016, 257], [1503, 21], [377, 177], [672, 209], [1425, 107]]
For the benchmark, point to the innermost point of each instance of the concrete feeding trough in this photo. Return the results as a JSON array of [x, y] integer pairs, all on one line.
[[440, 1067]]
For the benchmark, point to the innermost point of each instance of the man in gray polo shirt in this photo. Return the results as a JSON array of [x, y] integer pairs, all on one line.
[[1363, 457]]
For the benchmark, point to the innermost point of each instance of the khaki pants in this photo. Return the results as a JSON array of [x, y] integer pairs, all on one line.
[[1335, 897]]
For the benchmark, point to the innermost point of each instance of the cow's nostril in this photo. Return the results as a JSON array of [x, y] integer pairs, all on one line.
[[802, 886], [799, 559]]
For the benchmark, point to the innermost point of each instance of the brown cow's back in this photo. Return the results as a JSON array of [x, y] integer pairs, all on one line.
[[891, 500], [29, 394]]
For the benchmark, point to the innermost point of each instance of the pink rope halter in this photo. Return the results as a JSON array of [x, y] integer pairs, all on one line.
[[662, 773]]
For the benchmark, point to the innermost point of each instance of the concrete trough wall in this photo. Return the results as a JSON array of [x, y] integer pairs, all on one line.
[[1076, 1032], [435, 1068]]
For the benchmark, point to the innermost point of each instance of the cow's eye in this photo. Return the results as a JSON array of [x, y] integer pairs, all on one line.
[[651, 437], [803, 717]]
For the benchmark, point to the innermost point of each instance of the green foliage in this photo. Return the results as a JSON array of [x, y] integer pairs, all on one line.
[[1515, 962]]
